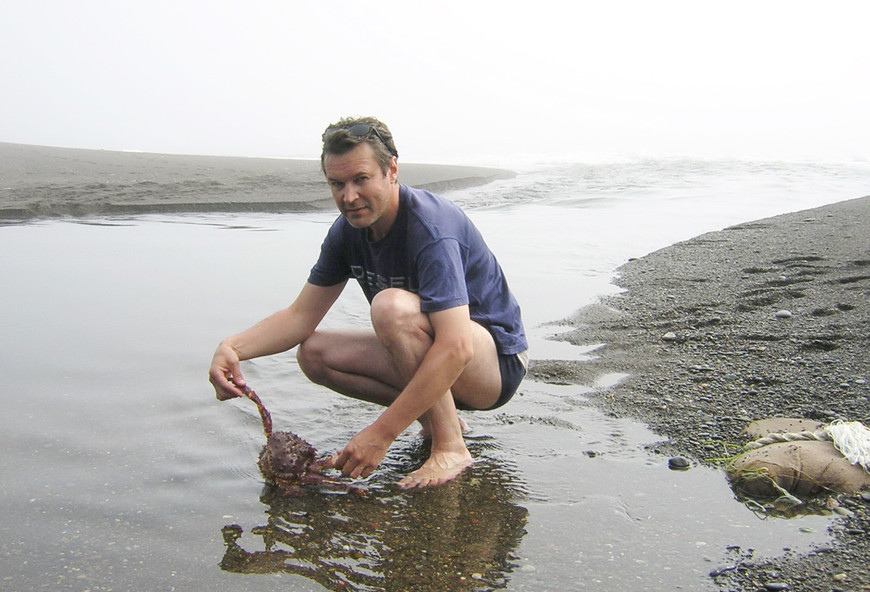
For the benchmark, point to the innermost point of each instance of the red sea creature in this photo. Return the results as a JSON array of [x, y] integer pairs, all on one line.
[[287, 461]]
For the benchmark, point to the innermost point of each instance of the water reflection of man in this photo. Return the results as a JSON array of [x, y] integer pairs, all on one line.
[[459, 537], [447, 331]]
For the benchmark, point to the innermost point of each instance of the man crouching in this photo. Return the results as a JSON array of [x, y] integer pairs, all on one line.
[[446, 331]]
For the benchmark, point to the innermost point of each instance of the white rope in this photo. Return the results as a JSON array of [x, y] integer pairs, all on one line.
[[850, 438], [787, 437]]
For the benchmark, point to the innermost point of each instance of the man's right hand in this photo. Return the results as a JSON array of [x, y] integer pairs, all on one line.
[[225, 373]]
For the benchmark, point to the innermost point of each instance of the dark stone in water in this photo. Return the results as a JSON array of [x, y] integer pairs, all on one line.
[[678, 463]]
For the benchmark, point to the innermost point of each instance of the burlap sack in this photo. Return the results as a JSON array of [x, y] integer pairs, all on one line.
[[803, 468], [780, 425]]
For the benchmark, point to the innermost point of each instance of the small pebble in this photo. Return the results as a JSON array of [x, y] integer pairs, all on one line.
[[773, 586], [783, 314], [678, 463], [669, 336], [721, 570], [820, 550]]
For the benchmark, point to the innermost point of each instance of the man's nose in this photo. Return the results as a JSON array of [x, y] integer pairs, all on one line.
[[350, 193]]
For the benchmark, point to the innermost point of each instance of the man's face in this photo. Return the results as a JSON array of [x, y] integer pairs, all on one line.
[[366, 196]]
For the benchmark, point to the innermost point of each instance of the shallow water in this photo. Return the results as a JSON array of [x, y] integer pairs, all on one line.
[[121, 470]]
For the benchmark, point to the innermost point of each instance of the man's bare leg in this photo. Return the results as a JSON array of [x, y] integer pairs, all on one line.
[[376, 367], [407, 335], [351, 362], [426, 427], [355, 364], [448, 456]]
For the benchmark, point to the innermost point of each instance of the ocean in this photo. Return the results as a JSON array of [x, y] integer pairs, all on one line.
[[122, 471]]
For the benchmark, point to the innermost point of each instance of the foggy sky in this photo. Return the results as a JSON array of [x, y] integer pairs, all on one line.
[[455, 81]]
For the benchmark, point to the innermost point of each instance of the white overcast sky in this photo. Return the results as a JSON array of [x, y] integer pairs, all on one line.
[[455, 81]]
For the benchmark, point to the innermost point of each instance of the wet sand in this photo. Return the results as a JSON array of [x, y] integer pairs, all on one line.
[[41, 182], [697, 329]]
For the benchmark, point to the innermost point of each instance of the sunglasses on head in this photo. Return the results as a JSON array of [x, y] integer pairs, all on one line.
[[359, 130]]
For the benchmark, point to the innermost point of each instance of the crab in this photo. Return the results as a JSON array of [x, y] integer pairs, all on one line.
[[287, 461]]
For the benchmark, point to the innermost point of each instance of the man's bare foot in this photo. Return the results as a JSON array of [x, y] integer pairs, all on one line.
[[440, 468]]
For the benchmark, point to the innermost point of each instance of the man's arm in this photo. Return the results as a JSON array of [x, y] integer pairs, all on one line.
[[281, 331]]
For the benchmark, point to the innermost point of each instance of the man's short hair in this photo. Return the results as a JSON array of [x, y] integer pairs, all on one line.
[[348, 133]]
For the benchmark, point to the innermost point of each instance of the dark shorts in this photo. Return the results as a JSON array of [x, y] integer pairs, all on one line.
[[513, 370]]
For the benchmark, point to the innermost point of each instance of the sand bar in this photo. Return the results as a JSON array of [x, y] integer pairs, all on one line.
[[39, 182]]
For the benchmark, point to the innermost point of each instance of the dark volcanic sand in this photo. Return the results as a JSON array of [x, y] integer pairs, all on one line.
[[40, 182], [731, 359]]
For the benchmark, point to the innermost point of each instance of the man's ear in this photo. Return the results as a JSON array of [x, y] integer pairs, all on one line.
[[394, 170]]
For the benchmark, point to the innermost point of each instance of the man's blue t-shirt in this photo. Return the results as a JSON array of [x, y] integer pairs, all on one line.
[[434, 251]]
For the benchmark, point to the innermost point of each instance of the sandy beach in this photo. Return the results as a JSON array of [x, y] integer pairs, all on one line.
[[41, 182], [697, 330]]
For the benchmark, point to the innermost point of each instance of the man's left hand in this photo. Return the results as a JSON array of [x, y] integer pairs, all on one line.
[[362, 454]]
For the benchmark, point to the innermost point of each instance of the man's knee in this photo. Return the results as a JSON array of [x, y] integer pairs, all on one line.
[[395, 312], [394, 301], [310, 358]]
